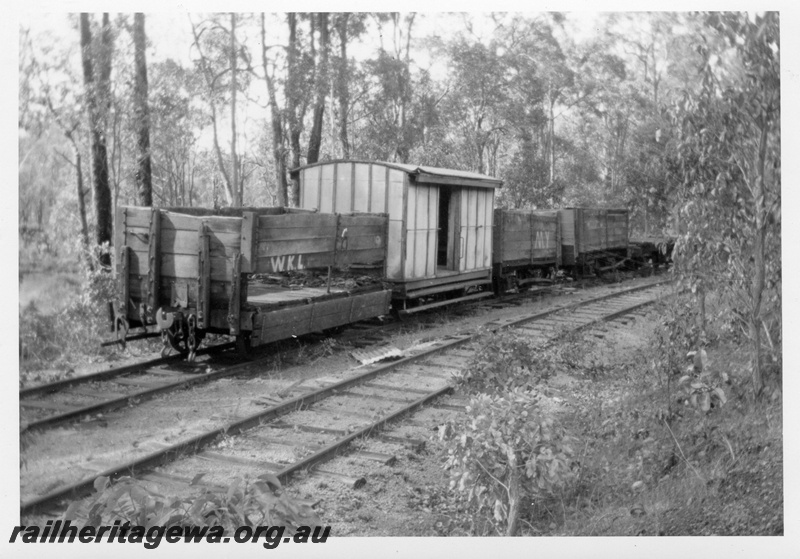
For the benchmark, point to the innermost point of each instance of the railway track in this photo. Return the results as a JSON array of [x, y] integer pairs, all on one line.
[[301, 432], [50, 405]]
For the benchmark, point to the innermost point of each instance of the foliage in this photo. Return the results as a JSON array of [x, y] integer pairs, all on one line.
[[504, 361], [729, 154], [702, 385], [507, 455], [260, 502], [510, 451], [72, 334]]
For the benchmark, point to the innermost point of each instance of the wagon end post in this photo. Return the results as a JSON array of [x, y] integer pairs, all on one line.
[[153, 268], [203, 278], [235, 303]]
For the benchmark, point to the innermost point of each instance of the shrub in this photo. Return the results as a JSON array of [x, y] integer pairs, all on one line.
[[507, 455], [505, 361], [260, 502], [72, 334]]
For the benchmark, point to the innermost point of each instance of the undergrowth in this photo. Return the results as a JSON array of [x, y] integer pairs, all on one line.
[[244, 502], [666, 439], [71, 336]]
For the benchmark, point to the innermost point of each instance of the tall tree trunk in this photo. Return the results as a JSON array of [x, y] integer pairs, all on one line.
[[342, 89], [315, 139], [229, 187], [278, 151], [144, 173], [234, 160], [293, 102], [98, 98]]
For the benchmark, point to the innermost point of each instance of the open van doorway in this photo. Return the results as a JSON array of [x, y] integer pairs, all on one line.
[[447, 256], [443, 252]]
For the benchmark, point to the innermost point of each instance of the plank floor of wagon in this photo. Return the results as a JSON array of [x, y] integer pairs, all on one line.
[[266, 295]]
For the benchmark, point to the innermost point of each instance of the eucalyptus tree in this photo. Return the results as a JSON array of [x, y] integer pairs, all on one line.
[[177, 120], [222, 59], [348, 27], [730, 165], [48, 100], [142, 114], [96, 57]]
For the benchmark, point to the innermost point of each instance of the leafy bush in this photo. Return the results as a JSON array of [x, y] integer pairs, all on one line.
[[70, 335], [505, 361], [244, 503], [508, 455]]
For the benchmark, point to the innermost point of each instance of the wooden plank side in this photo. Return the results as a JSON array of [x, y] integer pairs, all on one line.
[[124, 281], [266, 224], [235, 300], [308, 245], [120, 231], [480, 219], [378, 189], [365, 220], [136, 216], [394, 197], [489, 246], [295, 321], [203, 278], [181, 266], [248, 240], [472, 231], [410, 234], [286, 263], [190, 223], [326, 187], [393, 258], [361, 187], [154, 264], [433, 220], [309, 188], [423, 210], [344, 187]]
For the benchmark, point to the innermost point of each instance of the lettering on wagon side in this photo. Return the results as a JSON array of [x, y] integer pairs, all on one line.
[[287, 263]]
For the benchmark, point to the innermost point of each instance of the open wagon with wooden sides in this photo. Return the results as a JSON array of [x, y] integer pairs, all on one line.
[[185, 272], [594, 238], [440, 223], [527, 246]]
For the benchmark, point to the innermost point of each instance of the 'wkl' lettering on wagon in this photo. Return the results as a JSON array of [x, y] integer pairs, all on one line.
[[542, 239], [287, 263]]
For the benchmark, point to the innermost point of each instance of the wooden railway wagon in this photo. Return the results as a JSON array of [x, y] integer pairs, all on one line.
[[527, 246], [440, 223], [184, 272], [593, 238]]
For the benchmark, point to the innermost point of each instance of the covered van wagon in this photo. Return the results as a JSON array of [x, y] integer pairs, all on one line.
[[440, 222]]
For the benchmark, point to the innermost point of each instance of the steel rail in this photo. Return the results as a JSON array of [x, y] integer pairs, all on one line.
[[57, 385], [200, 441]]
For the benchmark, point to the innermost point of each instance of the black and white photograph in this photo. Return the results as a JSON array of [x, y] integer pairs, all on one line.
[[323, 283]]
